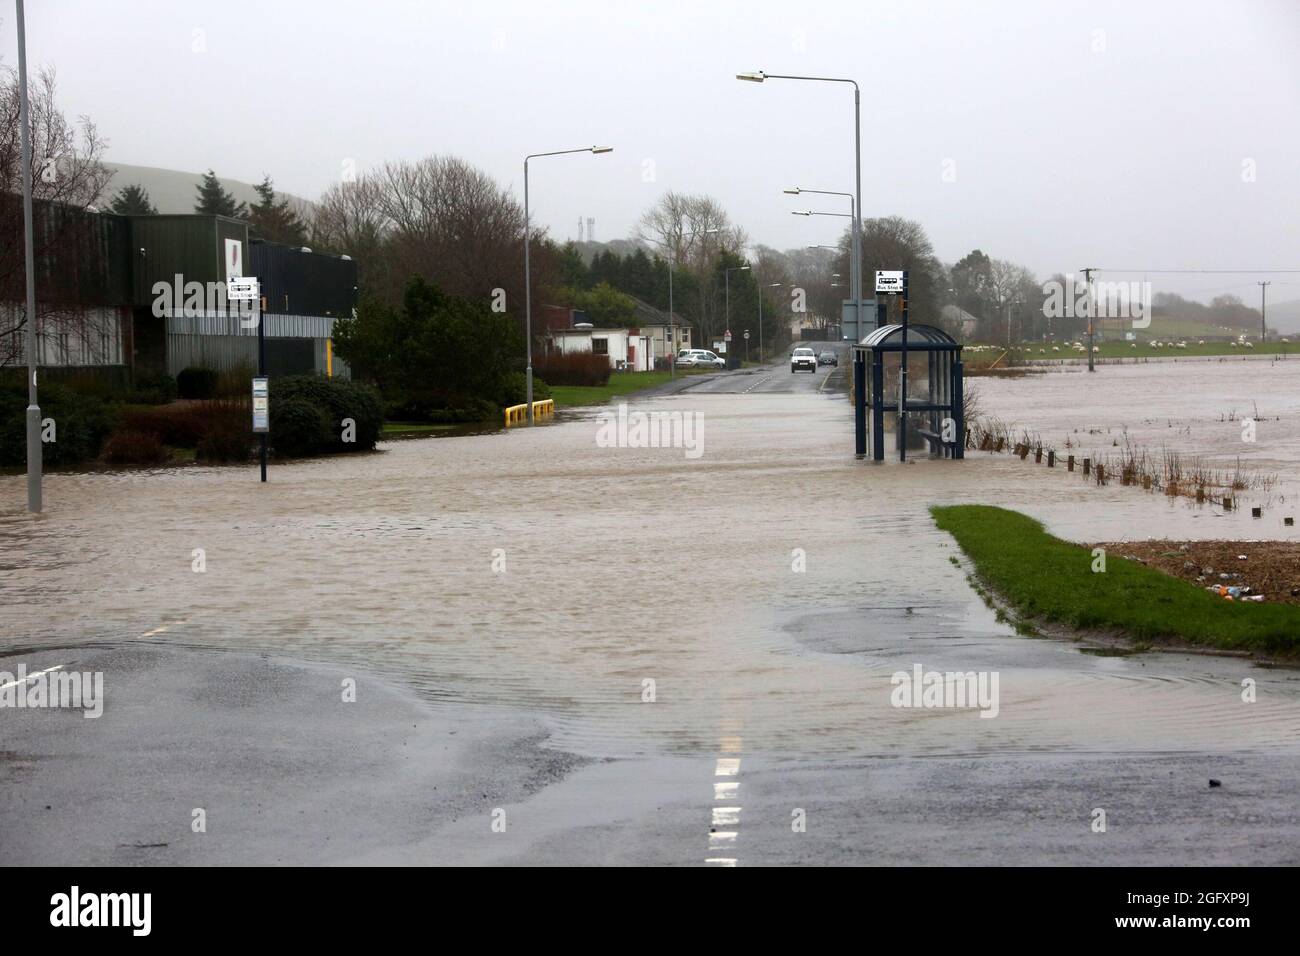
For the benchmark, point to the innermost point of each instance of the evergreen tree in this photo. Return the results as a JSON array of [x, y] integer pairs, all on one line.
[[133, 200], [272, 219], [215, 201], [573, 271]]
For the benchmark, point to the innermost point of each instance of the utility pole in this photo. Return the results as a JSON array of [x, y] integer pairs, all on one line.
[[902, 379], [1087, 276], [1263, 323], [33, 407]]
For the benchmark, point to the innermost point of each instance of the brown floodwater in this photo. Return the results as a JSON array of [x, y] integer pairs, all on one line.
[[624, 565]]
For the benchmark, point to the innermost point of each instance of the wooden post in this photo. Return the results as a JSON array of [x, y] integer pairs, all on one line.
[[1087, 467], [1069, 463], [1051, 459]]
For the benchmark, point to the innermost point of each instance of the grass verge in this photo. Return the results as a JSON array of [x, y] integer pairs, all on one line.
[[620, 384], [411, 429], [1046, 578]]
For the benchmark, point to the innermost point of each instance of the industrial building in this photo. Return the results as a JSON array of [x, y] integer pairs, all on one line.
[[127, 297]]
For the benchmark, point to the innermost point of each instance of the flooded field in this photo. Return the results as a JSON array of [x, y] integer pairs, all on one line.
[[628, 565]]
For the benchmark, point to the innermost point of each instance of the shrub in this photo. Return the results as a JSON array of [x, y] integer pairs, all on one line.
[[125, 447], [338, 399], [225, 430], [514, 389], [225, 443], [300, 428], [235, 382], [573, 368], [196, 383], [80, 425], [179, 426], [152, 390]]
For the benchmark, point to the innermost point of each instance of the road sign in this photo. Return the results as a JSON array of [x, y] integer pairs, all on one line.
[[746, 333], [889, 281], [261, 406], [241, 290], [726, 337]]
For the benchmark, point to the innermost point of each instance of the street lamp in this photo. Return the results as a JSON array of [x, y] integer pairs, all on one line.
[[528, 296], [855, 274], [33, 407], [672, 354], [727, 281], [770, 285]]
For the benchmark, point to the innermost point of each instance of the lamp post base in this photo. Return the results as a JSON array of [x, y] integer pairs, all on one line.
[[34, 458], [528, 393]]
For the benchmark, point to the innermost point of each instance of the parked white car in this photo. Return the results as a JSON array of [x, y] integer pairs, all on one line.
[[699, 358], [803, 358]]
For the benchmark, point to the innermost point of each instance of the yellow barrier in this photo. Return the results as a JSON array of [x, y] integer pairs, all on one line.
[[518, 414]]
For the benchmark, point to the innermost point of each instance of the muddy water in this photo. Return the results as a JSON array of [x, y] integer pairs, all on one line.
[[1192, 408], [627, 565]]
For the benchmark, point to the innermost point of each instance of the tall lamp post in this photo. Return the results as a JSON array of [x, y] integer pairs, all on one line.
[[672, 258], [855, 275], [528, 295], [854, 265], [770, 285], [33, 407], [727, 282]]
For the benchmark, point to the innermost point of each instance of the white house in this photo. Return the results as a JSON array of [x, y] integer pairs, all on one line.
[[625, 348]]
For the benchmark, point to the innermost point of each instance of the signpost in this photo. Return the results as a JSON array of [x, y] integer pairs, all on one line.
[[746, 346], [894, 282], [245, 289]]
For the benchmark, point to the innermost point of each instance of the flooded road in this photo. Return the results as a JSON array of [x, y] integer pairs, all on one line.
[[652, 608]]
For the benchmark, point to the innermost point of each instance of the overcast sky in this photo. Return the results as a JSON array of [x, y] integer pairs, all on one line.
[[1119, 135]]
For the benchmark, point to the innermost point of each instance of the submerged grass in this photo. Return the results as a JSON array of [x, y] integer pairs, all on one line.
[[1043, 577]]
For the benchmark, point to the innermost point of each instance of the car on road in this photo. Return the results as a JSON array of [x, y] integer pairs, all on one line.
[[828, 358], [699, 358], [802, 358]]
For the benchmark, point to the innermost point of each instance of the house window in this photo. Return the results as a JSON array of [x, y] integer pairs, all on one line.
[[600, 346]]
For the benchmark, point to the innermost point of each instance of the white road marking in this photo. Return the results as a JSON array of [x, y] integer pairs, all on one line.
[[726, 816], [725, 792], [160, 630]]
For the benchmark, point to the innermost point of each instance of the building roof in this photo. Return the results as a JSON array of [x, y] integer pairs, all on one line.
[[647, 314]]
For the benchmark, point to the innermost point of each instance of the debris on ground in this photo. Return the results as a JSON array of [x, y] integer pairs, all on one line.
[[1264, 571]]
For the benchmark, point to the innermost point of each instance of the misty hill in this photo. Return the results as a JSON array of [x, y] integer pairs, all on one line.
[[174, 191], [1284, 316]]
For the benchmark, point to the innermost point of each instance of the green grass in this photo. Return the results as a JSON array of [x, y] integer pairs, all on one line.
[[408, 429], [1043, 577], [620, 384]]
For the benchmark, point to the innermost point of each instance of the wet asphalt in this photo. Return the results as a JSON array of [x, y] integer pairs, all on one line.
[[503, 720]]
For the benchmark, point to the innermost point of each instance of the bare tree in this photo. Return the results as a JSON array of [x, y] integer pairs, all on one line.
[[440, 218], [68, 179], [680, 225]]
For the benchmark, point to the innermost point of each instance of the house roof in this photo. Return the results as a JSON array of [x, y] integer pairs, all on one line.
[[647, 314]]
